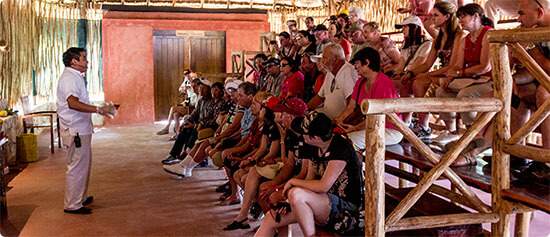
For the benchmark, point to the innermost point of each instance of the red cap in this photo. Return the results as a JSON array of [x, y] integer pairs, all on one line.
[[293, 106]]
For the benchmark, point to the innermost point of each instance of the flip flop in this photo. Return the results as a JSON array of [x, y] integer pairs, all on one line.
[[476, 143], [470, 159]]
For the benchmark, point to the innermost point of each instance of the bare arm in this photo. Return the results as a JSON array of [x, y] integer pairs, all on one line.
[[333, 170], [235, 125], [315, 102], [75, 104]]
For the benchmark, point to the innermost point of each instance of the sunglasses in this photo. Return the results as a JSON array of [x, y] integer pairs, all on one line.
[[540, 5], [271, 65], [231, 90], [298, 37], [284, 64]]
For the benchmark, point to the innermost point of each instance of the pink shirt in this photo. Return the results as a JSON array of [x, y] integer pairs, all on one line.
[[382, 88], [293, 84]]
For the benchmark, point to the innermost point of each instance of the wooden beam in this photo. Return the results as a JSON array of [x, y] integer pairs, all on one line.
[[539, 34], [523, 221], [523, 151], [405, 205], [375, 149], [434, 188], [532, 66], [500, 168], [510, 207], [424, 222], [403, 105], [540, 115], [434, 158]]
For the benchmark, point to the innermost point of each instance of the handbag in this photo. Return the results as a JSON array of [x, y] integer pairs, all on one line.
[[357, 115], [270, 171], [460, 83]]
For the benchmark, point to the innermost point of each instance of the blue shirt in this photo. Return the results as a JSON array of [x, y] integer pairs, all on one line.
[[246, 122]]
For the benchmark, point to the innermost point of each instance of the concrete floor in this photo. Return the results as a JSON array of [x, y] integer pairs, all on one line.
[[133, 195]]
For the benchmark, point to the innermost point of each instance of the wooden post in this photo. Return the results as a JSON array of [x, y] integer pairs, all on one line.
[[403, 182], [501, 161], [375, 149], [523, 220]]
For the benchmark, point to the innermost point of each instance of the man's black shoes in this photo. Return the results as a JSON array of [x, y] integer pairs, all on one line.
[[82, 211], [88, 200]]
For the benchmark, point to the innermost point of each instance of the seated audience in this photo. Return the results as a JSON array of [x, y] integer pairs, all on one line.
[[306, 43], [338, 85], [337, 37], [265, 157], [293, 85], [260, 73], [203, 117], [473, 61], [373, 84], [245, 96], [447, 40], [311, 73], [276, 77], [331, 195], [389, 55], [189, 90], [355, 32], [287, 48], [322, 38], [413, 54]]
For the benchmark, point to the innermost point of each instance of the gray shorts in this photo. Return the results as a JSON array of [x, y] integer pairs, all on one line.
[[344, 217]]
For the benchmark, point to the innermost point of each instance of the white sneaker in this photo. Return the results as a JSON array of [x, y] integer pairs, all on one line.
[[445, 137], [176, 169]]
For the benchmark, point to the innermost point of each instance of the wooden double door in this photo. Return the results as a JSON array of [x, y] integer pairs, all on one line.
[[175, 51]]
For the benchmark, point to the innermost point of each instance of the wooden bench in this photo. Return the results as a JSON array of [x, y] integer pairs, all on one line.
[[428, 205], [531, 194]]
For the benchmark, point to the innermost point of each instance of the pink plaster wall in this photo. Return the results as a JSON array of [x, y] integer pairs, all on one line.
[[128, 52]]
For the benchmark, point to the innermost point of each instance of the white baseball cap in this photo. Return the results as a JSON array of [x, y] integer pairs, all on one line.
[[409, 20]]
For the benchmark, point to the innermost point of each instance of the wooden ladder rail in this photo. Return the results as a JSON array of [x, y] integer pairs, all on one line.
[[377, 110]]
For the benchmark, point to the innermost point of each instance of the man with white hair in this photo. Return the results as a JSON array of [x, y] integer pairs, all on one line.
[[338, 85]]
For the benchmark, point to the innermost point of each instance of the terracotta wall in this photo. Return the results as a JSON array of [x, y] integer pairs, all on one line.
[[128, 52]]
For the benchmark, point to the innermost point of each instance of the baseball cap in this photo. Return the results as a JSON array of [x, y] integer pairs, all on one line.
[[355, 26], [233, 85], [409, 20], [320, 27], [205, 82], [343, 12], [316, 58], [291, 22], [272, 60], [293, 106], [313, 123]]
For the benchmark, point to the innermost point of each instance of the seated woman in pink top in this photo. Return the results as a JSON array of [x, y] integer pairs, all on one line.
[[373, 84], [293, 85]]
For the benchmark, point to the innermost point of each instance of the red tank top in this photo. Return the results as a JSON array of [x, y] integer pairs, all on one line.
[[472, 50]]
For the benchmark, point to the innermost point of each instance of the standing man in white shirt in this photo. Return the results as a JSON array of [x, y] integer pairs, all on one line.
[[74, 111], [338, 84]]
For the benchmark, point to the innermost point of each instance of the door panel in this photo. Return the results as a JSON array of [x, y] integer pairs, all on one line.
[[174, 51]]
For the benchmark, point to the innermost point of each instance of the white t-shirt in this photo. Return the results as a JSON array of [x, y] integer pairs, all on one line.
[[422, 52], [335, 99], [70, 83]]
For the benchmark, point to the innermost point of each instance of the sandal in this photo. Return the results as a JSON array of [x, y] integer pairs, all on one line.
[[235, 225], [230, 201], [470, 160], [173, 138], [226, 195], [223, 188], [163, 131]]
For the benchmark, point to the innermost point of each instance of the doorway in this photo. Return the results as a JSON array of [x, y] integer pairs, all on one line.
[[173, 52]]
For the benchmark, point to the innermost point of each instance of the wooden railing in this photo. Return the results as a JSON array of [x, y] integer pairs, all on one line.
[[496, 109]]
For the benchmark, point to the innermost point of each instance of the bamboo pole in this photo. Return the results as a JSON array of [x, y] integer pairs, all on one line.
[[424, 222], [374, 174], [523, 221], [403, 105], [540, 115], [501, 161], [432, 157], [533, 153], [404, 206], [532, 66], [539, 34]]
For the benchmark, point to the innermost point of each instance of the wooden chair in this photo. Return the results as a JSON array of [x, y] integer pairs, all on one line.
[[28, 121]]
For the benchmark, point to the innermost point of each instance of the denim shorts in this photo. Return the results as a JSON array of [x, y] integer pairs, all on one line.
[[344, 216]]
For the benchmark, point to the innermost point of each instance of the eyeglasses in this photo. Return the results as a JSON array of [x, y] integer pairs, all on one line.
[[299, 37], [231, 90], [270, 65], [540, 5], [284, 64]]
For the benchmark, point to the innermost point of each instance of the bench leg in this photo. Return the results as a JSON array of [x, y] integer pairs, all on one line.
[[523, 221], [402, 182]]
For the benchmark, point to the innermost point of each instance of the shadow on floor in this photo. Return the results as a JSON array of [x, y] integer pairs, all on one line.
[[17, 218]]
